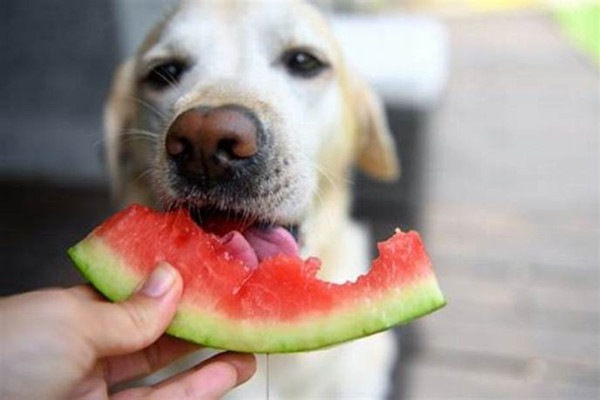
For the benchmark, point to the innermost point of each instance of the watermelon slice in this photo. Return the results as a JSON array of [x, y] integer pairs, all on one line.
[[278, 306]]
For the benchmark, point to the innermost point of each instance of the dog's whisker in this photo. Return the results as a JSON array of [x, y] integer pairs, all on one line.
[[99, 142], [141, 132], [333, 180], [134, 138], [325, 174], [150, 107], [319, 195], [329, 219], [167, 79], [142, 175]]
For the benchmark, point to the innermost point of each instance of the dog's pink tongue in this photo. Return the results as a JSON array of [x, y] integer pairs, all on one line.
[[238, 247], [255, 244], [269, 242]]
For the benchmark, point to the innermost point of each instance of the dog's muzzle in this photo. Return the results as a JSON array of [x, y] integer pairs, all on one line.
[[219, 158]]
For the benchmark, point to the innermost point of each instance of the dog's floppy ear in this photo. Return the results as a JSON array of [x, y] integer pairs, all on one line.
[[376, 148], [119, 113]]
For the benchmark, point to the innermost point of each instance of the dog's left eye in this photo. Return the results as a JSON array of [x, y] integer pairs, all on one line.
[[302, 63], [166, 74]]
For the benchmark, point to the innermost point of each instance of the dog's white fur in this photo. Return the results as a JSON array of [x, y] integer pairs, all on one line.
[[322, 126]]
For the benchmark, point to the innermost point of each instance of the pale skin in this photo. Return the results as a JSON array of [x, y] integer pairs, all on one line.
[[73, 344]]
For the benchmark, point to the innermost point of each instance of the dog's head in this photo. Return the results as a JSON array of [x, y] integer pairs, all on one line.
[[245, 112]]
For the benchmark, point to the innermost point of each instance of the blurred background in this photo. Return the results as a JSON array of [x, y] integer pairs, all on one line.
[[495, 105]]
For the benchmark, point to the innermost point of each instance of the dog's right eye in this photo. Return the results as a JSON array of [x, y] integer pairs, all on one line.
[[302, 63], [166, 74]]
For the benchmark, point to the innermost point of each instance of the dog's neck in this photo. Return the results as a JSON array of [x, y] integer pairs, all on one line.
[[330, 234]]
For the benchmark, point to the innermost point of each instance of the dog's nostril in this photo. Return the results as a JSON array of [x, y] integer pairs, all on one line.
[[238, 147], [225, 149], [177, 147]]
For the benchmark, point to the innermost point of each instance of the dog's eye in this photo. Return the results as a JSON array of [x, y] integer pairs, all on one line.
[[166, 74], [303, 64]]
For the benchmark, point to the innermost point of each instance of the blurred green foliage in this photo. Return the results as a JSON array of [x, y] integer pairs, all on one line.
[[582, 26]]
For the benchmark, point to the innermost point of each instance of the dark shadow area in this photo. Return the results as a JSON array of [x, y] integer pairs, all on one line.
[[58, 58], [39, 222], [385, 206]]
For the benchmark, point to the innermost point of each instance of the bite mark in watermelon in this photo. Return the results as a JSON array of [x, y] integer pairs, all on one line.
[[278, 306]]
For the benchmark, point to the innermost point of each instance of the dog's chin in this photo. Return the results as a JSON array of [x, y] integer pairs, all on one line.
[[253, 224], [247, 237]]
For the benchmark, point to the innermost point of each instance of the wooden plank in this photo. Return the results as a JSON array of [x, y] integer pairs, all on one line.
[[515, 341], [526, 297], [529, 245], [514, 310], [428, 381], [512, 367], [508, 271]]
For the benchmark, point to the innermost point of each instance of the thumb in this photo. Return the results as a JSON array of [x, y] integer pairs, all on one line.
[[140, 320]]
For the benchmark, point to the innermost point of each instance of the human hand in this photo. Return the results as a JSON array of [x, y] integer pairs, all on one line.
[[72, 343]]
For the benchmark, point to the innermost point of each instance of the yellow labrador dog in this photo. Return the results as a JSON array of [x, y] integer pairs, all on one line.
[[245, 112]]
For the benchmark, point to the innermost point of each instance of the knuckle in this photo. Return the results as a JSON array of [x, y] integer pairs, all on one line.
[[141, 323], [65, 307], [69, 320]]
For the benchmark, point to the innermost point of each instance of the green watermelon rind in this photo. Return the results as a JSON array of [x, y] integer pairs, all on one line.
[[312, 332], [109, 273]]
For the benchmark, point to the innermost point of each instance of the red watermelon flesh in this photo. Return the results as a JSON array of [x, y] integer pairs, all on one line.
[[278, 305]]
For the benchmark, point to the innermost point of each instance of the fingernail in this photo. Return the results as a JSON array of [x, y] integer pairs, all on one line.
[[159, 282]]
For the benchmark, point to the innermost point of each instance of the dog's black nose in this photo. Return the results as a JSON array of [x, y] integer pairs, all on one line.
[[209, 143]]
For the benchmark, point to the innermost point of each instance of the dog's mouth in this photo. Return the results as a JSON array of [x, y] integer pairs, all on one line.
[[248, 238]]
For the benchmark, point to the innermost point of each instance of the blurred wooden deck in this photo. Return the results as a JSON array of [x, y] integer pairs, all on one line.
[[511, 218]]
